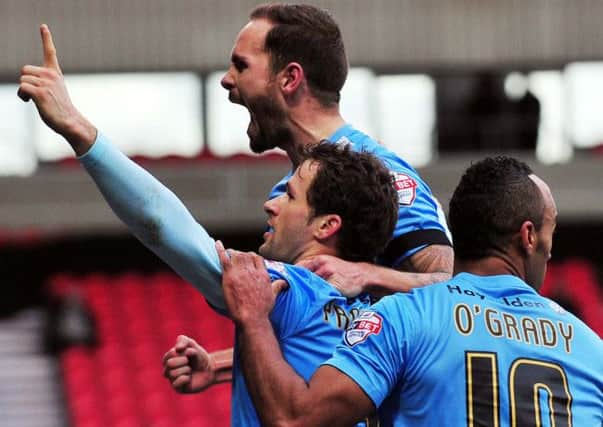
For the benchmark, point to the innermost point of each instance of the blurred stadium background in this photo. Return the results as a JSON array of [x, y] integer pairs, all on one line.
[[87, 312]]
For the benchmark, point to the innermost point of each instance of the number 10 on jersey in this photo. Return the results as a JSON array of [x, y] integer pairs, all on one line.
[[530, 383]]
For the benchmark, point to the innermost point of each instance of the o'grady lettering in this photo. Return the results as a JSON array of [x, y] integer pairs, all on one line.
[[499, 324]]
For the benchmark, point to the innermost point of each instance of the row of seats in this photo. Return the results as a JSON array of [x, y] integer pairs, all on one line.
[[118, 382]]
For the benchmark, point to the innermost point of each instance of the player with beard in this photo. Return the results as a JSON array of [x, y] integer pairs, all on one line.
[[288, 66]]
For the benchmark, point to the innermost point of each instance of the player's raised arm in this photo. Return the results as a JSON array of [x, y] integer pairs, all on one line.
[[46, 86], [150, 210]]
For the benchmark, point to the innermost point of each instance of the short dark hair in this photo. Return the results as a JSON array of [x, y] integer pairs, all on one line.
[[310, 36], [359, 188], [494, 197]]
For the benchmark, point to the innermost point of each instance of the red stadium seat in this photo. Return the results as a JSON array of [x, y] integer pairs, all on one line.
[[138, 317]]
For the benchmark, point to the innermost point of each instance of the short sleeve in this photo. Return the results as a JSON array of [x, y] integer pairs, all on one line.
[[373, 350]]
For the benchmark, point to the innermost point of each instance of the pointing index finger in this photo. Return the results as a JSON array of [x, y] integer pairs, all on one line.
[[50, 52]]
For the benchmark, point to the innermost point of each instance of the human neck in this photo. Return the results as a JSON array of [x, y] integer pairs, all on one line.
[[315, 251], [310, 125], [494, 265]]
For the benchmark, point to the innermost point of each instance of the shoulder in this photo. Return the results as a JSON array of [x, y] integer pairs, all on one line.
[[360, 141], [421, 298], [581, 330], [303, 283]]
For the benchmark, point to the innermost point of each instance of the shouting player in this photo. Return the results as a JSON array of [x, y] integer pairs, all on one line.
[[288, 65]]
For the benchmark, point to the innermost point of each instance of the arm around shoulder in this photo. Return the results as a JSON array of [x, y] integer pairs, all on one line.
[[432, 264]]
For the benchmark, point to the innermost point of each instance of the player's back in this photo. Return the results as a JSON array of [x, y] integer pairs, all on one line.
[[490, 351]]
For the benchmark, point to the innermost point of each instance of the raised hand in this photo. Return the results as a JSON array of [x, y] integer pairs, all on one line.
[[46, 86]]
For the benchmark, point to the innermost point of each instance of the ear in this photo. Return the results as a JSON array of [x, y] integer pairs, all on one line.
[[528, 237], [292, 76], [327, 226]]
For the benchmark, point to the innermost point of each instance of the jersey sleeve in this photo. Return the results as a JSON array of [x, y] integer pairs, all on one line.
[[373, 351], [157, 218], [421, 220]]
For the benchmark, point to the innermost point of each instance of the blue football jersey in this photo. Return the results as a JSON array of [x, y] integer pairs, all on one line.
[[475, 351], [421, 221], [308, 320]]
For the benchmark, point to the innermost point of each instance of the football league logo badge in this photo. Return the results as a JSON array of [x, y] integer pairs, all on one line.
[[365, 325], [406, 188]]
